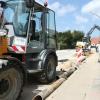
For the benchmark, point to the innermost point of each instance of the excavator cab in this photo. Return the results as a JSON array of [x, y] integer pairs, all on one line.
[[31, 28]]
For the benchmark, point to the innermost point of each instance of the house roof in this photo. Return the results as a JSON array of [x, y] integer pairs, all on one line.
[[95, 40]]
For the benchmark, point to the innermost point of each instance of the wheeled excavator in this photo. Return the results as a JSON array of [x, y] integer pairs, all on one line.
[[27, 45]]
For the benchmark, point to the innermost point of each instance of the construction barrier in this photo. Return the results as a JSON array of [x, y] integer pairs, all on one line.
[[80, 55]]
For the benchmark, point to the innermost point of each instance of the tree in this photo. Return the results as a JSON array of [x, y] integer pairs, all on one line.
[[68, 39], [77, 36]]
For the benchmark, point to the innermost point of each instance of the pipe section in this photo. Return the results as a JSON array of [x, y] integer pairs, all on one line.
[[46, 92]]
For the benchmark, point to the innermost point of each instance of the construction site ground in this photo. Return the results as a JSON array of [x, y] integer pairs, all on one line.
[[33, 86], [83, 84]]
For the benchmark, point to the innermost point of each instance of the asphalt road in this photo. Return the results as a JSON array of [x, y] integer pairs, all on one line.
[[34, 87]]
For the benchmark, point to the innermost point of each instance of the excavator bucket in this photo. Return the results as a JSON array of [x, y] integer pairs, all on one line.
[[3, 45]]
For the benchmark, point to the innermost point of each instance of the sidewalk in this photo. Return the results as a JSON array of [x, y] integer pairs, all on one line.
[[84, 84]]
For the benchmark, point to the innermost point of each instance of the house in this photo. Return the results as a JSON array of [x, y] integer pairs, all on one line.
[[95, 40]]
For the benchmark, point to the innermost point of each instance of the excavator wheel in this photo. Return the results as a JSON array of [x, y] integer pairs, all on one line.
[[49, 73], [11, 82]]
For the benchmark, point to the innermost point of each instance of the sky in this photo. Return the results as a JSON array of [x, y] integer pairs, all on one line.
[[76, 14]]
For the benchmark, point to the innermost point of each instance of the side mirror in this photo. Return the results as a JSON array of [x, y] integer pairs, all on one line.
[[30, 3]]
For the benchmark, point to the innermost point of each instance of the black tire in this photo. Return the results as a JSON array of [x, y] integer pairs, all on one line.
[[11, 82], [49, 73]]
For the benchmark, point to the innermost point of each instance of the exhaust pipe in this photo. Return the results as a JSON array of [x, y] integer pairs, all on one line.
[[46, 92]]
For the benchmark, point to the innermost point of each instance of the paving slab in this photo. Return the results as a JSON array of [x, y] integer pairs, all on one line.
[[84, 84]]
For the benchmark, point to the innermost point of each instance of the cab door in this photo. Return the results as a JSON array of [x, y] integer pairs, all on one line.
[[36, 41], [51, 30]]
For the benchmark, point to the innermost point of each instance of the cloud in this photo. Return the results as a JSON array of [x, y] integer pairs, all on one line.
[[80, 19], [92, 6], [61, 9], [40, 1]]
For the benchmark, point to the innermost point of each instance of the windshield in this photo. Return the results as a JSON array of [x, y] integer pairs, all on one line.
[[16, 13]]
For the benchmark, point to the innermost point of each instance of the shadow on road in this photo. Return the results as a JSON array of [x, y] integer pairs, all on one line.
[[30, 89]]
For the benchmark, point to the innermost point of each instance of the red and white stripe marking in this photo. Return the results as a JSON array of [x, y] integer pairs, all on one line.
[[17, 48]]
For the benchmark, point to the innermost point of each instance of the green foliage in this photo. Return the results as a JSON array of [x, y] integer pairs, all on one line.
[[68, 39]]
